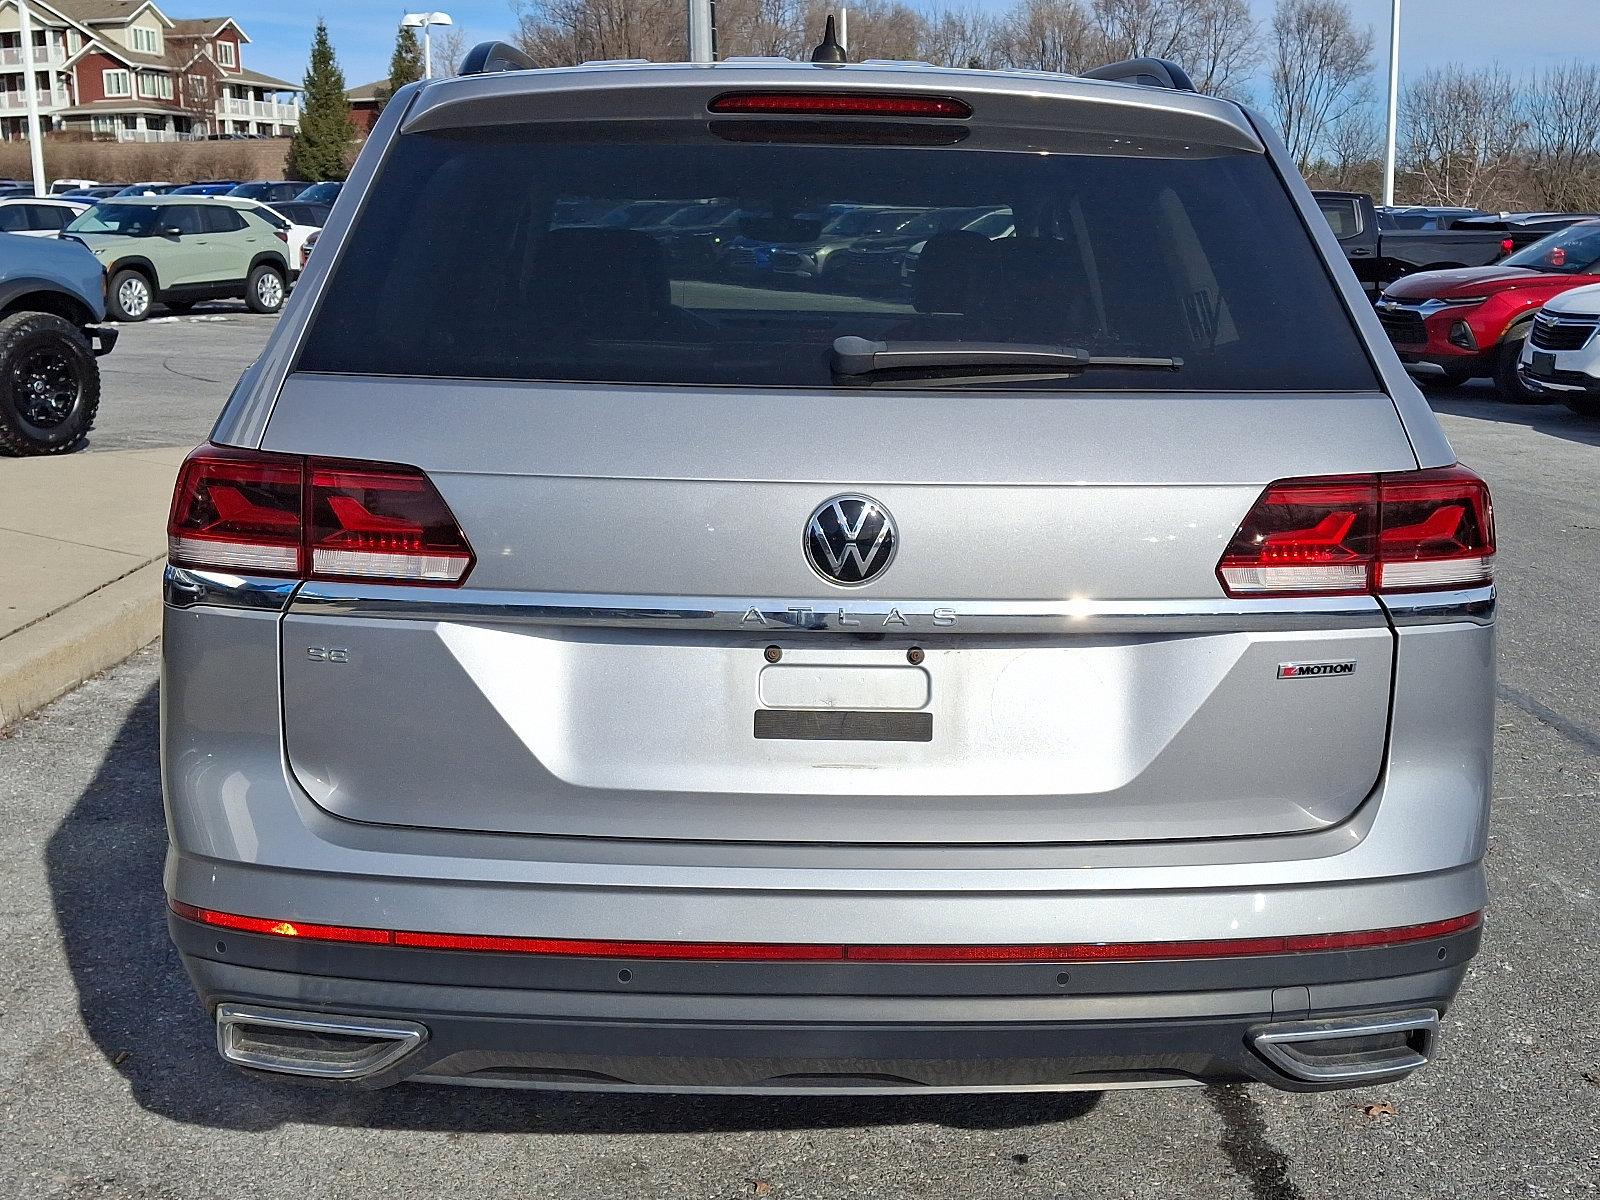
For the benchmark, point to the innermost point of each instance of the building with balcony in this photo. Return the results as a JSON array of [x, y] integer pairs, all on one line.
[[122, 70]]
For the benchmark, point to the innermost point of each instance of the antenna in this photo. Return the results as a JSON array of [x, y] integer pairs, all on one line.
[[829, 50]]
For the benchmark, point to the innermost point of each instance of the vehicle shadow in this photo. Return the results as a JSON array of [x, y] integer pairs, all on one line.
[[1557, 420], [104, 867]]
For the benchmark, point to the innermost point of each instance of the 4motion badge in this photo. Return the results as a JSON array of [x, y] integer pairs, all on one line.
[[1316, 670]]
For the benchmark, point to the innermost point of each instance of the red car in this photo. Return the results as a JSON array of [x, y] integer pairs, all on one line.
[[1451, 326]]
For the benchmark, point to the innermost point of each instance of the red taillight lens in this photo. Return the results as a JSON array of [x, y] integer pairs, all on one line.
[[281, 235], [238, 510], [839, 104], [1407, 532], [282, 514], [382, 522], [1436, 531], [1304, 535]]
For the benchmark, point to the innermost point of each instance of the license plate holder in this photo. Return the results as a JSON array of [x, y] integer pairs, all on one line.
[[1544, 363]]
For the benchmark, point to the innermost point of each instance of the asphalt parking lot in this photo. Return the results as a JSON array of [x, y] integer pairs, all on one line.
[[109, 1085], [168, 376]]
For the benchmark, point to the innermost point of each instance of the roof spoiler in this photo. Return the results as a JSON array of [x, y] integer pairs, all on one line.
[[495, 56], [1147, 72]]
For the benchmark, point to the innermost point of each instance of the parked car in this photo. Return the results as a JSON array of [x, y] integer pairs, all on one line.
[[1423, 216], [877, 262], [313, 216], [178, 251], [1560, 357], [268, 191], [93, 195], [325, 192], [52, 300], [1532, 225], [38, 216], [1451, 326], [211, 187], [800, 249], [581, 675], [58, 186], [146, 189], [1380, 256], [297, 222]]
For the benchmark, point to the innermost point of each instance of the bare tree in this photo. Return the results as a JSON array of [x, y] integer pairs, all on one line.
[[1461, 134], [878, 28], [1216, 41], [1224, 48], [1561, 109], [961, 37], [449, 48], [1352, 160], [1321, 67], [562, 32], [768, 28], [1049, 35]]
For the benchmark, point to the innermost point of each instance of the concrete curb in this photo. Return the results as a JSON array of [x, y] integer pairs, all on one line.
[[56, 653]]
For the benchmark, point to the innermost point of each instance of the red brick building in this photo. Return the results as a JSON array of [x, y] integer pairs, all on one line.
[[123, 70]]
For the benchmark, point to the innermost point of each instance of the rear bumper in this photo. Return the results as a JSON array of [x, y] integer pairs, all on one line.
[[594, 1023]]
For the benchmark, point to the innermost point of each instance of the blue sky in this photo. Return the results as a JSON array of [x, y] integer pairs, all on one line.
[[1516, 33]]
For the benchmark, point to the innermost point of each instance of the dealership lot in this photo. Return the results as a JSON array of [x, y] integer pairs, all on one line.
[[109, 1085]]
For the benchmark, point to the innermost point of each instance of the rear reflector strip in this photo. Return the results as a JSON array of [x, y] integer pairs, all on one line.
[[1062, 952]]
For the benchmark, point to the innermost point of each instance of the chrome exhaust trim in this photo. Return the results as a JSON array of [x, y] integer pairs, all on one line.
[[319, 1045], [1323, 1051]]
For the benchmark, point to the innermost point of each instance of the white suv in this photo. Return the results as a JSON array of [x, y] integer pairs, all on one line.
[[1561, 356]]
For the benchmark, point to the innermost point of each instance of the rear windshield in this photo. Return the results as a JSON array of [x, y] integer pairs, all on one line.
[[589, 255]]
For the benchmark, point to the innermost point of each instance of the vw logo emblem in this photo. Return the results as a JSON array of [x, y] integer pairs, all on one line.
[[850, 540]]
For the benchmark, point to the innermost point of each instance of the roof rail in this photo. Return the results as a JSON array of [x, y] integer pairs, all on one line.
[[1148, 72], [495, 56]]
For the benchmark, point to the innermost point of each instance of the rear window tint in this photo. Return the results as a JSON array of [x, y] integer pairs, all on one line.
[[579, 254]]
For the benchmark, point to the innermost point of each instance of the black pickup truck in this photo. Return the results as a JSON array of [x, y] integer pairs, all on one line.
[[1380, 256]]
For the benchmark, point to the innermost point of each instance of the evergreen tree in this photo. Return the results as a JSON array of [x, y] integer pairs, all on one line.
[[405, 64], [326, 131]]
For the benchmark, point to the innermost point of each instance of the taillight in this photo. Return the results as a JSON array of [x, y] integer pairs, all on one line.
[[839, 104], [1417, 531], [313, 518], [281, 235], [238, 510]]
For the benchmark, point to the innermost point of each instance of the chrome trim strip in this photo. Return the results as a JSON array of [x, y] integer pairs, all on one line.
[[766, 616], [1473, 605], [186, 587], [389, 1042]]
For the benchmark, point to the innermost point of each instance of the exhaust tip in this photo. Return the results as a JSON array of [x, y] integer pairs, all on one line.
[[319, 1045], [1349, 1049]]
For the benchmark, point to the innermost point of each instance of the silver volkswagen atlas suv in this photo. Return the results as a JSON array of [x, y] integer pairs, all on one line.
[[587, 667]]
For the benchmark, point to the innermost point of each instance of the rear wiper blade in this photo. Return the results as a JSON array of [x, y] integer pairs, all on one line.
[[863, 358]]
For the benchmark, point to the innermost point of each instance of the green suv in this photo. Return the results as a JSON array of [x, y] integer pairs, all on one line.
[[178, 250]]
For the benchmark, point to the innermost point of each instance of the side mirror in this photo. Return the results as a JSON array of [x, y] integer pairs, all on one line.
[[171, 231]]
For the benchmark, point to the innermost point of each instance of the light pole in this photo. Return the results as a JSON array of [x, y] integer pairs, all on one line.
[[30, 86], [1394, 101], [425, 22]]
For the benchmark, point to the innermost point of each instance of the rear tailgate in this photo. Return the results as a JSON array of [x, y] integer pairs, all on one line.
[[634, 454], [1085, 678]]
